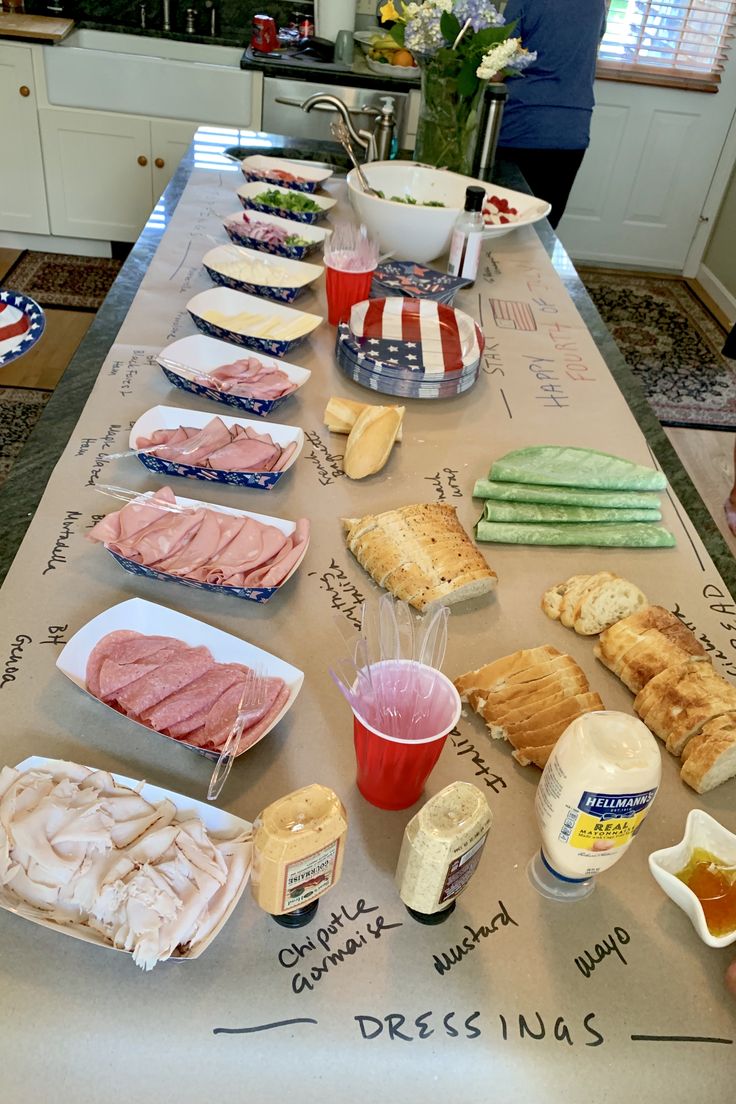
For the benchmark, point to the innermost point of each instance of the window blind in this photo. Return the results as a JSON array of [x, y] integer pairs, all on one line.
[[682, 42]]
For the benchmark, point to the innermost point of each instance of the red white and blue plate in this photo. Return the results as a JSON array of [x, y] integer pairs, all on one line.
[[22, 323], [415, 348]]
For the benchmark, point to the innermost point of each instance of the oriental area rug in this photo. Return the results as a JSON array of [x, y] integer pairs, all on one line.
[[71, 290], [672, 344]]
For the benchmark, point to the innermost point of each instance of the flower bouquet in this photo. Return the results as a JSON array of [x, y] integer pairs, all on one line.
[[459, 45]]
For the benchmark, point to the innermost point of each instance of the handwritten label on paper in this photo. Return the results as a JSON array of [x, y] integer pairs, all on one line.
[[14, 659], [327, 465], [445, 484], [177, 325], [550, 391], [714, 593], [55, 635], [565, 341], [469, 1025], [610, 945], [344, 596], [61, 544], [493, 360], [445, 960], [463, 746], [125, 369], [105, 444], [347, 933]]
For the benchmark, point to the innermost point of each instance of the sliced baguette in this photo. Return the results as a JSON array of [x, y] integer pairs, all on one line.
[[614, 643], [684, 699], [609, 601], [341, 414], [371, 439], [575, 594], [710, 757], [652, 654]]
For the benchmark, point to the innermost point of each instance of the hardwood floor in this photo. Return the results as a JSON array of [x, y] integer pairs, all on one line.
[[44, 365], [8, 257], [708, 456]]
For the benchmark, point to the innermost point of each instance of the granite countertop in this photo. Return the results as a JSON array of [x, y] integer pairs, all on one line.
[[23, 490]]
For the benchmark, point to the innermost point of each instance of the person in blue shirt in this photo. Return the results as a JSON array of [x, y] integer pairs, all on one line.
[[546, 121]]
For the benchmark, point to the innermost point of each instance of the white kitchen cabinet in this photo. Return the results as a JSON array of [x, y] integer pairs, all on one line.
[[105, 170], [22, 191], [169, 142]]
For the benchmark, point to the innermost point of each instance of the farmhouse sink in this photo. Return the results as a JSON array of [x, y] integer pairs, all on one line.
[[139, 75]]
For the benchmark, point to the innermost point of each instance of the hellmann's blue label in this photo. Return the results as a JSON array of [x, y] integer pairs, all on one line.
[[602, 821]]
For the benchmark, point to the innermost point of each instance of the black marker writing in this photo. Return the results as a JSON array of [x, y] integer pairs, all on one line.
[[587, 962]]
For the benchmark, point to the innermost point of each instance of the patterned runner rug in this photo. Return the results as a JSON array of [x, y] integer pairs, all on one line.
[[671, 342], [62, 280]]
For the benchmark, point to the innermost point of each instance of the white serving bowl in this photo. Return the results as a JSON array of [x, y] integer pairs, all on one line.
[[703, 831], [413, 232]]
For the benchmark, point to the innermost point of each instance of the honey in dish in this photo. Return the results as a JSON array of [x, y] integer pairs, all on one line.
[[714, 884]]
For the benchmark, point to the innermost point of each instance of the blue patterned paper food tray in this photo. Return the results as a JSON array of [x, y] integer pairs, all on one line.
[[263, 481], [261, 407], [307, 217], [262, 176], [294, 252], [280, 294], [269, 345], [250, 594]]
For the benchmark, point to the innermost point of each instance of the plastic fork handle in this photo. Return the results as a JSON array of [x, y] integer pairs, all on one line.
[[225, 762]]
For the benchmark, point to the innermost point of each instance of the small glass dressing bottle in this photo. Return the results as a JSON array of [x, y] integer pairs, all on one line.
[[298, 844], [467, 236], [441, 850]]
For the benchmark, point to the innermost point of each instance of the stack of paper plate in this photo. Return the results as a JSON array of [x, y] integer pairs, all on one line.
[[413, 348]]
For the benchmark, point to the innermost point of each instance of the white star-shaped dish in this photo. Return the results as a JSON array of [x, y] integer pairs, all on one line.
[[701, 830]]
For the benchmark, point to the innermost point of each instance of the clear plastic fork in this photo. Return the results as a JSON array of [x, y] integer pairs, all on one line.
[[251, 700]]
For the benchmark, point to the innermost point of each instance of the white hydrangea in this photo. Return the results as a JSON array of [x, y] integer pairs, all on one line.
[[498, 57]]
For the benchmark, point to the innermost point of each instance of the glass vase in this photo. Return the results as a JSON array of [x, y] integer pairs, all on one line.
[[447, 133]]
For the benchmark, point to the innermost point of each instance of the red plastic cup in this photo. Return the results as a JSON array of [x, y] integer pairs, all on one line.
[[345, 288], [394, 765]]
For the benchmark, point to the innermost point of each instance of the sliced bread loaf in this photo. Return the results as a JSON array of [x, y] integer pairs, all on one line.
[[710, 757]]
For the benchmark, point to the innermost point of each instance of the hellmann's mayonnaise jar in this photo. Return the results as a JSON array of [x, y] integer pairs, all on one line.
[[298, 844], [596, 789]]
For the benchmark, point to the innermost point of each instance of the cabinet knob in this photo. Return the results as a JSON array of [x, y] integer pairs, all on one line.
[[142, 161], [24, 90], [159, 162]]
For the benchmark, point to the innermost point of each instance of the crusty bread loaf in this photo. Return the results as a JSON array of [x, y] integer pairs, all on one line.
[[614, 643], [652, 654], [506, 670], [529, 698], [421, 553], [677, 703], [537, 756], [710, 757], [548, 725]]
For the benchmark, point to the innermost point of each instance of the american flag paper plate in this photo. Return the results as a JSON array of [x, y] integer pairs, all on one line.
[[419, 335]]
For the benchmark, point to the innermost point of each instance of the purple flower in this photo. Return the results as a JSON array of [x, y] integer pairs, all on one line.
[[481, 14]]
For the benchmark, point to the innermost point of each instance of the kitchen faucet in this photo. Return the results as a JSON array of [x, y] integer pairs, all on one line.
[[377, 144]]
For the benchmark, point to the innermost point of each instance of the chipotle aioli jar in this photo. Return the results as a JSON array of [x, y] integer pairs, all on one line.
[[298, 844], [441, 850]]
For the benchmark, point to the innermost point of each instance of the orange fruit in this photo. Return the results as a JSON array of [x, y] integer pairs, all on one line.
[[403, 58]]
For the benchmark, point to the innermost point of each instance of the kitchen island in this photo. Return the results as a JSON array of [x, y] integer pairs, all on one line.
[[494, 1000]]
